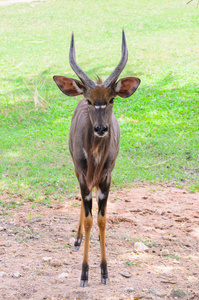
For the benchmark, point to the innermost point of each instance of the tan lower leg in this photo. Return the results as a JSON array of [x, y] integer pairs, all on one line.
[[88, 222], [79, 234], [102, 226]]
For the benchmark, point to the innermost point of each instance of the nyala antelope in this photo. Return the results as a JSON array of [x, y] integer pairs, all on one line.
[[94, 140]]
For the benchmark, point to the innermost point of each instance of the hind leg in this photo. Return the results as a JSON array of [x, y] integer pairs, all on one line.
[[79, 235]]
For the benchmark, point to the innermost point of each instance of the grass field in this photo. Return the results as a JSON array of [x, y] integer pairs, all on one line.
[[159, 123]]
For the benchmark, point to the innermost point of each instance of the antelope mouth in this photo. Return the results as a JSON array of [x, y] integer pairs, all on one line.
[[100, 135], [101, 130]]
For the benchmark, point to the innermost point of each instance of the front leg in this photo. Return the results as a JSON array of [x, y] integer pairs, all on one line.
[[88, 222], [102, 196]]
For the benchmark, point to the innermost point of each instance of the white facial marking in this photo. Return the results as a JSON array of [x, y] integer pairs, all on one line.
[[101, 136], [118, 86], [85, 153], [100, 106], [77, 88], [100, 195], [89, 197]]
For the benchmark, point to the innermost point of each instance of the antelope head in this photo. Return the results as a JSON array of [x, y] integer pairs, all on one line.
[[99, 96]]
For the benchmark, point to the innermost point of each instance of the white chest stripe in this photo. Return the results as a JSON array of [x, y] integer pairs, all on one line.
[[85, 153]]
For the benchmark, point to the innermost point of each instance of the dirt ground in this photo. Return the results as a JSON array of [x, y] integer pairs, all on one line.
[[37, 260]]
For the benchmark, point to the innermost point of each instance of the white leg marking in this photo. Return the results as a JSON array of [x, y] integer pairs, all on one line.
[[100, 195], [89, 197]]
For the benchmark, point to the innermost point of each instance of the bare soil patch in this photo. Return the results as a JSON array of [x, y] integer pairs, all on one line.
[[36, 248]]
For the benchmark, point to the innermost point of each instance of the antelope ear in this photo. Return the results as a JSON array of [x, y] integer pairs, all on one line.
[[125, 87], [70, 87]]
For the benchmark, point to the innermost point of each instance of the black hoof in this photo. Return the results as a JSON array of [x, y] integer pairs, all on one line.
[[77, 244], [84, 275], [83, 283], [104, 272], [104, 280], [76, 248]]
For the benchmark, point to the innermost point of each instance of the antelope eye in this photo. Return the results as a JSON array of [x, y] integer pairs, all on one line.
[[88, 101], [111, 101]]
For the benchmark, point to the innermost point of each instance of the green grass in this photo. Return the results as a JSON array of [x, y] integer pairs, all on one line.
[[132, 262], [159, 123], [174, 256]]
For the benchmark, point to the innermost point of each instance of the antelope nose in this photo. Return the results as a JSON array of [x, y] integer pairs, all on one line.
[[100, 129]]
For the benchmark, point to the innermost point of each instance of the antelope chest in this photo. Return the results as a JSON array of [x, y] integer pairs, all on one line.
[[97, 158]]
